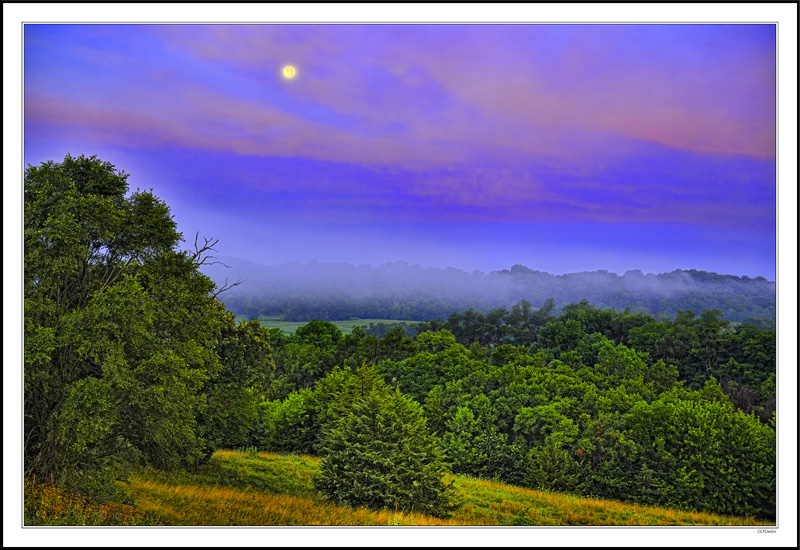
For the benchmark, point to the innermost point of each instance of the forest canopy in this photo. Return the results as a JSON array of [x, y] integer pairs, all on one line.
[[592, 402]]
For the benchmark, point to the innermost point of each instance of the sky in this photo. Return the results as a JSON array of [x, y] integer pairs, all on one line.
[[561, 147]]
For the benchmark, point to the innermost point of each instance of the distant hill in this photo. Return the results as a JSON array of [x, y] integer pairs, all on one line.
[[397, 290]]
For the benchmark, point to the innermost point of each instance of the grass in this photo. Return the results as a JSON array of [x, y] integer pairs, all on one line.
[[248, 488], [487, 501], [51, 506], [251, 488], [289, 327]]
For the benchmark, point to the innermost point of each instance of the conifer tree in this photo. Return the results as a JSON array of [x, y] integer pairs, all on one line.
[[382, 455]]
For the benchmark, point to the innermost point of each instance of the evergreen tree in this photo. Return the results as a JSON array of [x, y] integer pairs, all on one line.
[[551, 468], [382, 455]]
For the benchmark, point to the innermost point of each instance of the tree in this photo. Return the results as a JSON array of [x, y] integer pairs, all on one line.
[[709, 455], [309, 354], [525, 322], [382, 455], [119, 325], [234, 393], [288, 425], [321, 334], [439, 359], [560, 336]]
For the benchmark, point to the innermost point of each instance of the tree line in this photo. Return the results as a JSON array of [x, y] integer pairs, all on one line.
[[578, 408], [400, 291]]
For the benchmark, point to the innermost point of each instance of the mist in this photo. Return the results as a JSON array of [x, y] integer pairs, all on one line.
[[402, 291]]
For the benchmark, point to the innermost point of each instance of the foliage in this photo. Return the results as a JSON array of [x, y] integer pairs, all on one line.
[[381, 455], [709, 455], [119, 325], [566, 426], [296, 423], [308, 355], [551, 468], [440, 358], [242, 382], [289, 425]]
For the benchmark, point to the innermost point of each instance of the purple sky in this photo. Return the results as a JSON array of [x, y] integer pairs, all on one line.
[[560, 147]]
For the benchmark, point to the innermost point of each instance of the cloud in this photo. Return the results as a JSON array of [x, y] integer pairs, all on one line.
[[419, 96], [702, 96], [483, 123]]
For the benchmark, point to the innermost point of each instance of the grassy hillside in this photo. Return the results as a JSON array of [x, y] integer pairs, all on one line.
[[268, 489]]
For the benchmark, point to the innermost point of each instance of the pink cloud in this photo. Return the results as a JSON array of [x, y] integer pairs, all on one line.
[[502, 92], [416, 99], [427, 94], [594, 83]]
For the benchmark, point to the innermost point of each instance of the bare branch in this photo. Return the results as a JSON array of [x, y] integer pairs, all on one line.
[[198, 258], [225, 287]]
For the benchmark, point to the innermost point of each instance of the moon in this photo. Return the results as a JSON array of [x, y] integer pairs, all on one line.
[[289, 71]]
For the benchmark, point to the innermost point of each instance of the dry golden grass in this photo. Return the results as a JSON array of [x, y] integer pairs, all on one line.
[[531, 507], [46, 505], [254, 497], [201, 505]]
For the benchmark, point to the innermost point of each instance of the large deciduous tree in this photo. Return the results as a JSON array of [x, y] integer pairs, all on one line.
[[119, 324]]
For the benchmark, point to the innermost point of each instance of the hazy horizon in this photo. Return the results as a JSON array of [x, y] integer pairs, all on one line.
[[399, 290], [564, 148], [234, 262]]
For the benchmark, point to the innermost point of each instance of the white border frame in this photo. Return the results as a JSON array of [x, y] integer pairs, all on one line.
[[784, 14]]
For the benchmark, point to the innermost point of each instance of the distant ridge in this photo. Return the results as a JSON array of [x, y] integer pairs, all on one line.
[[403, 291]]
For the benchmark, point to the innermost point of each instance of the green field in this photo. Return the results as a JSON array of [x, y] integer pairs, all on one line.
[[289, 327], [252, 488]]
